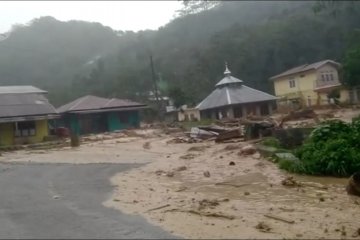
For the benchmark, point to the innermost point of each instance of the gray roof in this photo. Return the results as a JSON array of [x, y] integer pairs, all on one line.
[[26, 104], [90, 102], [304, 68], [228, 79], [231, 95], [20, 89], [231, 91]]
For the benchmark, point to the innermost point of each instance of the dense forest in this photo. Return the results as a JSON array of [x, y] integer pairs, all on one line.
[[258, 39]]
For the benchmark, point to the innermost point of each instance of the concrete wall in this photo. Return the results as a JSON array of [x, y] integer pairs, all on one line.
[[186, 114]]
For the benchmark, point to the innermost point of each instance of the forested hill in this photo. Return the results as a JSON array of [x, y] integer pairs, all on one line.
[[258, 39]]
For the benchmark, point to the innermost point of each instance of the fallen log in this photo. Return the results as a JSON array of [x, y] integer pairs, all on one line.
[[205, 214], [232, 184], [279, 218], [157, 208]]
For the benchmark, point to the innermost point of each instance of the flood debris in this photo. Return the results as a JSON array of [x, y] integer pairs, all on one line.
[[198, 133], [159, 172], [282, 219], [188, 156], [204, 214], [205, 203], [197, 148], [206, 174], [170, 174], [232, 184], [230, 134], [263, 227], [231, 163], [290, 182], [181, 168], [157, 208], [181, 189]]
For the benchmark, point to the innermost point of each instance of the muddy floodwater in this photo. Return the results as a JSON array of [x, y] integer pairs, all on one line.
[[243, 200], [209, 190]]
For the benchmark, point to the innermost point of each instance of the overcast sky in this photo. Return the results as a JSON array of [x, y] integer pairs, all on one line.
[[119, 15]]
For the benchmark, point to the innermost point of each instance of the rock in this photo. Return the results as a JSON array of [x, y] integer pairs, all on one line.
[[256, 155], [246, 193], [56, 197], [248, 150], [207, 174], [322, 199], [231, 163], [353, 187]]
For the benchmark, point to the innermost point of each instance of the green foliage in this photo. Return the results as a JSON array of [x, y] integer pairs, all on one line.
[[178, 96], [332, 149], [351, 67], [271, 142], [329, 130]]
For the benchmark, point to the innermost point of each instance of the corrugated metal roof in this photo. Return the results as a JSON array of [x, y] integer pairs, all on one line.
[[20, 89], [230, 95], [305, 67], [227, 80], [230, 91], [90, 102], [27, 104]]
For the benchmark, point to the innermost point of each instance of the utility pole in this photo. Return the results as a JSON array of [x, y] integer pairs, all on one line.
[[155, 86]]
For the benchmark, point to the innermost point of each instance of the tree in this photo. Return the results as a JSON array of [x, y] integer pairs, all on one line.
[[196, 6], [178, 96], [351, 67]]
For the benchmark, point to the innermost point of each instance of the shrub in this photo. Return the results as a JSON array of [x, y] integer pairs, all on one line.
[[332, 149]]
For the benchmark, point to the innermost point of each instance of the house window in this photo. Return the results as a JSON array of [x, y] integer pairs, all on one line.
[[327, 77], [292, 83], [25, 129], [323, 77], [331, 77]]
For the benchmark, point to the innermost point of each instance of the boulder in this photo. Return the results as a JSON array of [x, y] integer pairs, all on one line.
[[353, 187]]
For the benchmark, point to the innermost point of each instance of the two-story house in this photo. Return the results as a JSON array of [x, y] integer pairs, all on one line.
[[310, 84]]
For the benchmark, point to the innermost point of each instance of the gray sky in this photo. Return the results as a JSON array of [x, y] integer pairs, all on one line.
[[119, 15]]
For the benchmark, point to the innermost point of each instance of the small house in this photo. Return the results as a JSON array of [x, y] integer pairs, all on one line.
[[24, 115], [91, 114], [232, 99]]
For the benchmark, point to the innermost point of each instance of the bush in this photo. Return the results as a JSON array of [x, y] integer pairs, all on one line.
[[332, 149]]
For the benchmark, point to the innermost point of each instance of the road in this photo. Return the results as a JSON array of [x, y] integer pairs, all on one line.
[[65, 201]]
